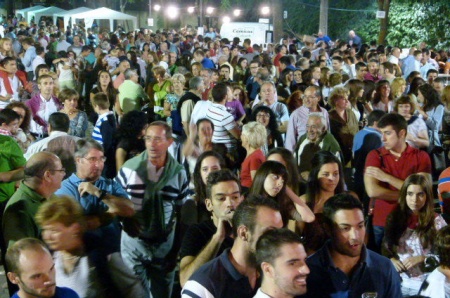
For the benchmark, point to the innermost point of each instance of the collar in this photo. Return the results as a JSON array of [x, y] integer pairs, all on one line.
[[371, 129], [383, 151], [43, 99], [5, 132], [327, 260], [225, 259], [31, 194], [219, 106]]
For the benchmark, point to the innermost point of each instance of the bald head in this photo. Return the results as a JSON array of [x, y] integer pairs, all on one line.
[[39, 163]]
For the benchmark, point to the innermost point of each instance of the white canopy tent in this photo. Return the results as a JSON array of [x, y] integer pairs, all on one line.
[[104, 13], [24, 11], [49, 11], [67, 15]]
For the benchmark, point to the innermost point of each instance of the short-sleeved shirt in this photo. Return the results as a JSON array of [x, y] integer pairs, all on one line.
[[373, 273], [198, 236], [410, 162], [223, 123], [251, 163], [218, 278], [11, 158]]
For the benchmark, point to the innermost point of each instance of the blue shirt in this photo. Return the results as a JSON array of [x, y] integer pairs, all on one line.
[[59, 293], [208, 64], [374, 273]]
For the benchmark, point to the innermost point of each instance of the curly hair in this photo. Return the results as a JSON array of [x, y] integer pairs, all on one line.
[[131, 125], [27, 119]]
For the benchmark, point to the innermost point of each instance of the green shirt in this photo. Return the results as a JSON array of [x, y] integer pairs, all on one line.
[[11, 158], [18, 219]]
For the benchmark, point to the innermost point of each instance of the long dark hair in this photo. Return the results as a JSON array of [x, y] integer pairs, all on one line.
[[199, 186], [377, 97], [131, 125], [276, 168], [431, 97], [398, 220], [293, 177], [313, 187]]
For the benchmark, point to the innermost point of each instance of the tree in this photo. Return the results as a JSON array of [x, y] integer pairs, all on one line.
[[384, 5], [323, 24]]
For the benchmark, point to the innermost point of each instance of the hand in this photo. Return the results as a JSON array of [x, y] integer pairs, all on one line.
[[413, 261], [399, 266], [88, 188], [377, 173], [223, 229]]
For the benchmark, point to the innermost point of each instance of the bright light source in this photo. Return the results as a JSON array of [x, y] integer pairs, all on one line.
[[237, 12], [265, 10], [157, 7], [172, 12], [191, 9], [226, 19], [209, 10]]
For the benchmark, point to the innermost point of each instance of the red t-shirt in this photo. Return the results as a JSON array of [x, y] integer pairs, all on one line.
[[410, 162], [251, 163]]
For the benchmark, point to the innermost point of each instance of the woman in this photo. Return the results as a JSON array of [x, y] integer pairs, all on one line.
[[410, 232], [240, 71], [23, 136], [343, 122], [417, 135], [253, 138], [130, 137], [295, 101], [356, 88], [416, 82], [78, 119], [284, 84], [266, 117], [398, 87], [284, 156], [234, 56], [6, 49], [207, 162], [432, 112], [64, 70], [171, 103], [446, 118], [159, 90], [383, 99], [325, 180], [104, 85], [270, 181], [63, 225]]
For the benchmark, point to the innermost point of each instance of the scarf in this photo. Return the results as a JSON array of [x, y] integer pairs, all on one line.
[[22, 76]]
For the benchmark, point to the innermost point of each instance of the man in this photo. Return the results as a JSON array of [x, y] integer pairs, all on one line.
[[365, 140], [131, 94], [157, 186], [267, 98], [439, 85], [120, 71], [298, 120], [31, 267], [206, 240], [395, 55], [361, 71], [199, 56], [252, 85], [225, 73], [317, 138], [387, 71], [408, 62], [412, 64], [354, 40], [28, 56], [234, 272], [206, 75], [387, 168], [42, 105], [11, 82], [226, 130], [38, 60], [344, 267], [58, 126], [188, 100], [287, 62], [62, 45], [431, 76], [280, 256], [76, 46], [426, 63], [337, 64], [43, 176], [373, 74]]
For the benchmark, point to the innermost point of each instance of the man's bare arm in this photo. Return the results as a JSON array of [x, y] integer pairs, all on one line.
[[376, 191], [12, 175]]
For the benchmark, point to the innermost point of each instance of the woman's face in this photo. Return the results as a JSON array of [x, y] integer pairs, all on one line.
[[7, 45], [385, 90], [277, 157], [21, 113], [104, 79], [342, 103], [178, 85], [235, 52], [146, 48], [415, 198], [150, 58], [404, 110], [209, 164], [298, 76], [244, 64], [195, 70], [205, 132], [59, 237], [420, 97], [273, 184], [329, 177], [263, 118], [71, 103], [237, 94]]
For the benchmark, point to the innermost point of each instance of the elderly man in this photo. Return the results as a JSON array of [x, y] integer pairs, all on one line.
[[317, 138], [281, 257], [31, 267], [157, 186], [298, 120], [131, 94], [188, 100]]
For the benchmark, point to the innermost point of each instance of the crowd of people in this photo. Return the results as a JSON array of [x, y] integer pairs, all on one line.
[[170, 164]]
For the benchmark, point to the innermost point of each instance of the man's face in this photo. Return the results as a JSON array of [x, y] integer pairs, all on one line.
[[418, 57], [225, 73], [37, 277], [266, 219], [337, 66], [206, 77], [390, 138], [348, 232], [226, 51], [12, 127], [254, 69], [46, 86], [225, 198], [157, 142], [11, 67], [316, 73], [314, 129], [361, 72], [431, 77], [289, 270], [373, 68], [267, 93], [90, 167], [124, 65], [310, 99], [57, 173], [396, 52], [76, 40]]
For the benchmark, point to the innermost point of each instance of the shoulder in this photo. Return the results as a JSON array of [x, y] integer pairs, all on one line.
[[65, 293]]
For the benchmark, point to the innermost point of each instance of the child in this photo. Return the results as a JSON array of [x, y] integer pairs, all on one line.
[[234, 106], [104, 130], [112, 59]]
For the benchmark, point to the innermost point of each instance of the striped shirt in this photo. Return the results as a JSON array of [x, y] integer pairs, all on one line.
[[97, 134], [223, 122]]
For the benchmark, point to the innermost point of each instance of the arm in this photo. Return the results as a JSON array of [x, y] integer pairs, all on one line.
[[375, 191], [235, 132], [81, 125], [121, 154], [12, 175], [301, 207], [421, 141], [283, 126], [117, 106]]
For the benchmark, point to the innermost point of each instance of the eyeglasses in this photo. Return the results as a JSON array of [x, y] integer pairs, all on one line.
[[263, 116], [59, 170], [93, 160], [157, 140], [309, 97]]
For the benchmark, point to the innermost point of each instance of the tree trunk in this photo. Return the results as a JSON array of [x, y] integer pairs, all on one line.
[[277, 17], [323, 22], [384, 23]]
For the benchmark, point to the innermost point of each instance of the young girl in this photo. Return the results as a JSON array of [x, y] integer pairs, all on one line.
[[270, 180], [234, 107], [410, 232]]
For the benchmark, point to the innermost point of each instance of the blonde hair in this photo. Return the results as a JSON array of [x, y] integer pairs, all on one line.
[[446, 96], [2, 42], [396, 86], [63, 209], [255, 133], [337, 93]]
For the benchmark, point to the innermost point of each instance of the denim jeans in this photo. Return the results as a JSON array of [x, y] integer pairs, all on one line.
[[378, 232]]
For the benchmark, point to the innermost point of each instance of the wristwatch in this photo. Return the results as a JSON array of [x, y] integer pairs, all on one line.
[[102, 195]]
